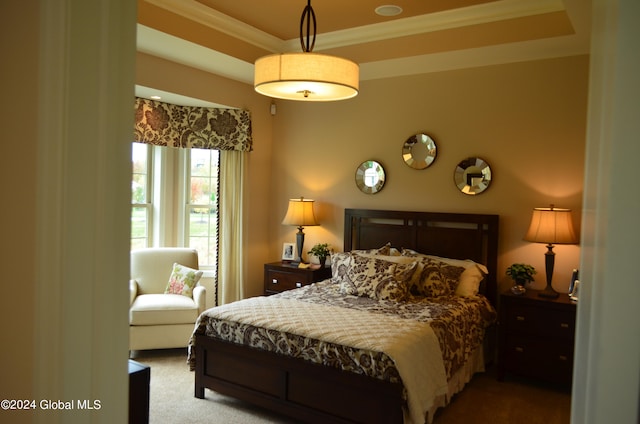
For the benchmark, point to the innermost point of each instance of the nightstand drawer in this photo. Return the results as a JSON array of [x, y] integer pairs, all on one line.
[[279, 281], [538, 358], [550, 322], [279, 277]]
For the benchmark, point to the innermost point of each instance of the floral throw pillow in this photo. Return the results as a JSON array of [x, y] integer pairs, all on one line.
[[182, 281], [436, 279], [340, 263], [377, 278]]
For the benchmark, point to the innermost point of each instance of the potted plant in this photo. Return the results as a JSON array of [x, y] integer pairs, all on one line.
[[320, 251], [521, 274]]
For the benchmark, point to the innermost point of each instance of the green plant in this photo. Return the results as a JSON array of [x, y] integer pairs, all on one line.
[[521, 273], [320, 250]]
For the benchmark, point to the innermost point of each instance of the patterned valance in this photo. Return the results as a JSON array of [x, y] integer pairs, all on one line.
[[164, 124]]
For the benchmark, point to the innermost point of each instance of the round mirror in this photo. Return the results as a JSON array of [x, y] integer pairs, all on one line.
[[370, 177], [419, 151], [472, 176]]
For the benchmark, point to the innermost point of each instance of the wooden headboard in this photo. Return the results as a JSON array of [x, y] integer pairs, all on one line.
[[450, 235]]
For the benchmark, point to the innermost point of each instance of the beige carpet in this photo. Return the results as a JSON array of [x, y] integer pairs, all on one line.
[[484, 400]]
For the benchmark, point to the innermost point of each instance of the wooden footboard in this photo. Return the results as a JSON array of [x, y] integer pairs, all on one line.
[[293, 387]]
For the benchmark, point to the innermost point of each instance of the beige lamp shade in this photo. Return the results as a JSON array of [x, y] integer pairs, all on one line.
[[306, 76], [551, 226], [300, 213]]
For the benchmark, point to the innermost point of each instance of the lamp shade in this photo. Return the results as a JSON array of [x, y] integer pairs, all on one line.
[[300, 213], [306, 76], [551, 226]]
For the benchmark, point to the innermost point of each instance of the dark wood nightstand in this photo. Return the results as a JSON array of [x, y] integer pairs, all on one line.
[[139, 378], [279, 276], [536, 336]]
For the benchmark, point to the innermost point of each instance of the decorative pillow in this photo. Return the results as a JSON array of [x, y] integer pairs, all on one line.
[[384, 250], [436, 279], [377, 279], [340, 263], [470, 279], [182, 281]]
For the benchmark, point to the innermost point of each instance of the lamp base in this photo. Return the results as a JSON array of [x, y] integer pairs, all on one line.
[[549, 259], [549, 293]]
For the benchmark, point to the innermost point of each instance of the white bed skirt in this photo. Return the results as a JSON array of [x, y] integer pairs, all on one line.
[[458, 381]]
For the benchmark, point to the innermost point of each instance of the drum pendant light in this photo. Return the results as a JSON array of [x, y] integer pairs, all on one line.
[[306, 76]]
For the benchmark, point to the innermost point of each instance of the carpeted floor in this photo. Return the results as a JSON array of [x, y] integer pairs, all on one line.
[[484, 400]]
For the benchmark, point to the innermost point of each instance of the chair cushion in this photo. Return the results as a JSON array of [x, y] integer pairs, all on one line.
[[158, 309], [182, 280]]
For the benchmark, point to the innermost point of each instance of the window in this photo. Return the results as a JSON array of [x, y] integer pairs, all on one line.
[[202, 204], [174, 199], [141, 206]]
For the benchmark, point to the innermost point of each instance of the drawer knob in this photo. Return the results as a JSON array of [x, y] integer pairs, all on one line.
[[520, 318], [562, 358], [274, 281], [298, 284], [564, 325], [519, 349]]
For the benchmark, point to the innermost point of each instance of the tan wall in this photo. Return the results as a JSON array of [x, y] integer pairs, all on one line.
[[526, 119]]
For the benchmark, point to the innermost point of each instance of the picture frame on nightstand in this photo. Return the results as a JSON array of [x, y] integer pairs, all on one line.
[[288, 251]]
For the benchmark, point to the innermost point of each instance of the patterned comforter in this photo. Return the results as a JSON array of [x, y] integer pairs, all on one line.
[[381, 339]]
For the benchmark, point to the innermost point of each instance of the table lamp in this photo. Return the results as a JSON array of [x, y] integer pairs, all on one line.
[[552, 226], [300, 214]]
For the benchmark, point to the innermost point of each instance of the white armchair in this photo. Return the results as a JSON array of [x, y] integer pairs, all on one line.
[[158, 320]]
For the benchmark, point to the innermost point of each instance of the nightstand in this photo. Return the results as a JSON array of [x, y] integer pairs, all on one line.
[[139, 378], [536, 336], [279, 277]]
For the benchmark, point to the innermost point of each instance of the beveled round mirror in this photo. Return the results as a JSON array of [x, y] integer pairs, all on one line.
[[419, 151], [370, 177], [472, 176]]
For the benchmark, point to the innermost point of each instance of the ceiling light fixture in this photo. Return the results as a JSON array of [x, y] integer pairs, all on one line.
[[388, 10], [306, 76]]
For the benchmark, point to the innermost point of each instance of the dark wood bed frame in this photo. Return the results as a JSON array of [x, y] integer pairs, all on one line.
[[316, 394]]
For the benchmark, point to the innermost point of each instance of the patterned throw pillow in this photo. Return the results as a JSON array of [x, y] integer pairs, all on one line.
[[182, 281], [340, 263], [384, 250], [436, 279], [376, 278]]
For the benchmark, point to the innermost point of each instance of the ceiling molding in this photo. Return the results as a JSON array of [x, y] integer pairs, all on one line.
[[165, 46], [448, 19], [157, 43], [198, 12], [470, 58], [456, 18]]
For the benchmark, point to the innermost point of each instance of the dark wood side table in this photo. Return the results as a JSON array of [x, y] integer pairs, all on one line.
[[279, 276], [536, 336], [139, 378]]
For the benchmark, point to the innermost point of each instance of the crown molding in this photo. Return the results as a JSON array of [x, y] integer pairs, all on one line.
[[165, 46], [448, 19], [455, 18], [197, 12]]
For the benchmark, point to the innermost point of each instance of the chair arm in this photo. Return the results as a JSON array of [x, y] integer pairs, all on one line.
[[200, 298], [133, 291]]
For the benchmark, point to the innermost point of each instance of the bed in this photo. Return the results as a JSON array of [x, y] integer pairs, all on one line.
[[257, 351]]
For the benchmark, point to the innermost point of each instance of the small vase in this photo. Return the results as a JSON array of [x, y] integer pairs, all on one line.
[[322, 260], [518, 288]]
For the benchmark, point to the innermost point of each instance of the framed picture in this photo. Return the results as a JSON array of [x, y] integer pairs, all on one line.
[[288, 251]]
